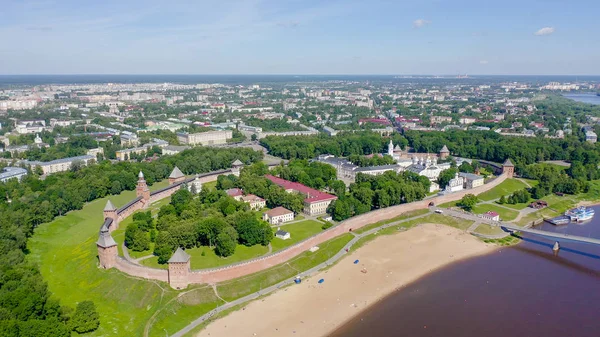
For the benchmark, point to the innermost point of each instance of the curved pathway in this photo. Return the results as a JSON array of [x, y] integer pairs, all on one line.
[[304, 274]]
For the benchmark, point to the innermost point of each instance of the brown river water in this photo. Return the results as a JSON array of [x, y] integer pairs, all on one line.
[[524, 290]]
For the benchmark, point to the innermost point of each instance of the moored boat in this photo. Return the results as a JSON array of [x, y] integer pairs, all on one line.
[[581, 213], [560, 220]]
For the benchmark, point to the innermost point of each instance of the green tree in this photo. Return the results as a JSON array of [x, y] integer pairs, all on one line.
[[86, 318], [446, 176], [225, 245], [468, 202]]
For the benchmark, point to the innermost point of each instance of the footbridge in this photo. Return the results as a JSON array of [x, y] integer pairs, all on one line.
[[508, 227], [555, 236]]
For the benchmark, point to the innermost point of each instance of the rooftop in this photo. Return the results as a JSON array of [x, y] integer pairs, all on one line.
[[176, 173], [312, 195], [179, 256], [278, 211]]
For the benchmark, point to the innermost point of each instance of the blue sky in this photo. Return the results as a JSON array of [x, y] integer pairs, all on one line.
[[300, 37]]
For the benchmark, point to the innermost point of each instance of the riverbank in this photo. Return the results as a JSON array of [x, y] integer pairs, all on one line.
[[390, 262]]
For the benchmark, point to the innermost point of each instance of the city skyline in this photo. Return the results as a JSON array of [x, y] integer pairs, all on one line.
[[293, 37]]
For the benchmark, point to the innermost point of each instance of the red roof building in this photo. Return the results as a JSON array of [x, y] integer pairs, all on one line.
[[316, 202]]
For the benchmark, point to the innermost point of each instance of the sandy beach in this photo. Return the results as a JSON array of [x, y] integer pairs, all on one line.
[[311, 309]]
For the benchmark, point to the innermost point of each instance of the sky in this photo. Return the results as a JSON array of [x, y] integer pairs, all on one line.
[[526, 37]]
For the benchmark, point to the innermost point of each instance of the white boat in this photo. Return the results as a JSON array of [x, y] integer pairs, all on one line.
[[581, 213]]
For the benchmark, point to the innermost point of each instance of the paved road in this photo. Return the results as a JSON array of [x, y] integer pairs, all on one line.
[[304, 274]]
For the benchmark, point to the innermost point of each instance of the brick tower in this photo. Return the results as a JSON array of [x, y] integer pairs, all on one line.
[[444, 152], [142, 189], [508, 168], [179, 269], [236, 167], [107, 247], [110, 212], [176, 176]]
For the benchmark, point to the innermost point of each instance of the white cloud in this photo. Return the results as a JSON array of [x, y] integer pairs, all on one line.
[[545, 31], [420, 23], [483, 62]]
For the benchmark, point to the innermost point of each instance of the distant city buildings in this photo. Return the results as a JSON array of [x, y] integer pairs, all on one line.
[[9, 173], [205, 138]]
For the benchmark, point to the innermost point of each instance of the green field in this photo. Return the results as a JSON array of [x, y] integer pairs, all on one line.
[[505, 188], [299, 231], [488, 230], [505, 214], [230, 290], [66, 252], [402, 216], [212, 260], [177, 313]]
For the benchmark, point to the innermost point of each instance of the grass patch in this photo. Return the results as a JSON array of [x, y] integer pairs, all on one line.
[[517, 207], [543, 213], [403, 216], [191, 304], [507, 241], [505, 214], [299, 231], [211, 185], [230, 290], [505, 188], [66, 253], [488, 230], [448, 204], [212, 260]]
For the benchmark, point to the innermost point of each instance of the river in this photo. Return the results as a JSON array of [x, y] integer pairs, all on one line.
[[524, 290], [590, 98]]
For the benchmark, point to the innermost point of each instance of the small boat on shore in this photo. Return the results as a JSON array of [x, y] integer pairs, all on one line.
[[559, 220], [580, 213]]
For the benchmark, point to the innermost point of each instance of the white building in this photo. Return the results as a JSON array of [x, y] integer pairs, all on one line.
[[427, 167], [205, 138], [491, 215], [12, 173], [254, 201], [283, 235], [471, 180], [278, 215], [60, 165]]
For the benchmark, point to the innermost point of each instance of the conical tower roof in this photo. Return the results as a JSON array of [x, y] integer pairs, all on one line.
[[109, 206], [508, 163], [176, 173], [179, 256], [444, 149], [106, 240], [237, 162], [141, 175]]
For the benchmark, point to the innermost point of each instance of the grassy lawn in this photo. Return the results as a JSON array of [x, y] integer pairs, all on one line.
[[403, 216], [505, 214], [448, 204], [210, 259], [230, 290], [506, 188], [518, 207], [488, 230], [212, 185], [298, 231], [176, 314], [66, 252], [543, 213]]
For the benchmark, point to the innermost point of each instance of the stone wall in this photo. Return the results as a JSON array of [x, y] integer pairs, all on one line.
[[256, 265]]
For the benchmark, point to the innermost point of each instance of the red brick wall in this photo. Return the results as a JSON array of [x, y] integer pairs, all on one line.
[[253, 266]]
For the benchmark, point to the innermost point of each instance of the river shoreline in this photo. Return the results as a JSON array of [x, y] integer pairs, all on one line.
[[385, 265]]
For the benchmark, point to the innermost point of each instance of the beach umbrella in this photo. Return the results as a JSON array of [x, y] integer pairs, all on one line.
[[321, 280]]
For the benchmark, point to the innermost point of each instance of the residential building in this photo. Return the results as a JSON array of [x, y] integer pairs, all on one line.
[[205, 138], [471, 180], [254, 201], [60, 165], [235, 193], [316, 202], [173, 149], [278, 215], [12, 173], [591, 137]]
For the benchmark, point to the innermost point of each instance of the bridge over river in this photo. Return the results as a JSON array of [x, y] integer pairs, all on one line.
[[558, 236], [508, 227]]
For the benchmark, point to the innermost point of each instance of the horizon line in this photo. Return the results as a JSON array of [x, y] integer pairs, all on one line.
[[291, 74]]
